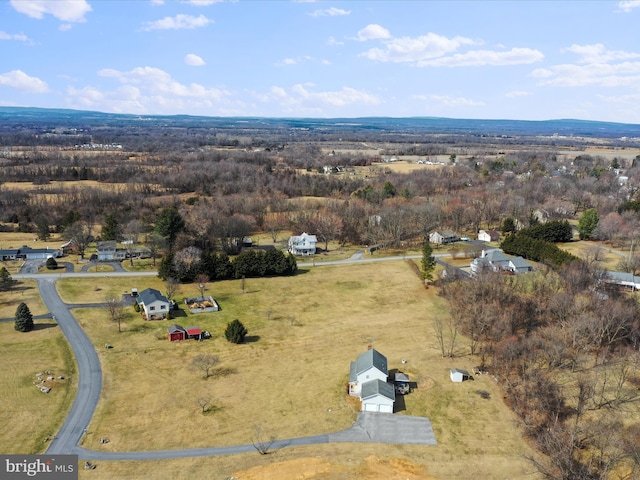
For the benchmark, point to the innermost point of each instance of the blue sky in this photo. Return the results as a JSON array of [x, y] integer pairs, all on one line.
[[530, 60]]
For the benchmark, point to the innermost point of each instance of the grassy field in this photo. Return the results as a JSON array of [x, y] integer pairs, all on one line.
[[289, 378], [30, 415], [23, 291]]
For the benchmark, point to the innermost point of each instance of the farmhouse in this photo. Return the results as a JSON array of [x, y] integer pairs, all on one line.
[[154, 305], [443, 237], [304, 244]]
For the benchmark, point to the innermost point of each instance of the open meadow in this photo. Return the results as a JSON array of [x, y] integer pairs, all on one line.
[[31, 415], [289, 379]]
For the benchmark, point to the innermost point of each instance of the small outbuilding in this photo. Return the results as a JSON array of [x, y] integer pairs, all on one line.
[[176, 333], [194, 333], [459, 376]]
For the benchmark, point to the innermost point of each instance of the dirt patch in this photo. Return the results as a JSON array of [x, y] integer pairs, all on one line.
[[371, 468]]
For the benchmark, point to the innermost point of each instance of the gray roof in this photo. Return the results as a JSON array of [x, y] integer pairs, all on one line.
[[176, 328], [623, 277], [151, 295], [368, 359], [496, 255], [377, 387], [519, 262]]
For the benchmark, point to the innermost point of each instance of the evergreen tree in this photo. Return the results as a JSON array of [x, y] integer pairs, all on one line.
[[428, 262], [235, 332], [166, 267], [51, 263], [508, 225], [169, 224], [587, 224], [111, 229], [5, 279], [24, 319]]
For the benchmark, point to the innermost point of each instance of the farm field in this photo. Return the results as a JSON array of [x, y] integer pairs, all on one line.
[[290, 378]]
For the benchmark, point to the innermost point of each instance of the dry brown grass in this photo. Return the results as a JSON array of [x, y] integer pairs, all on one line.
[[290, 378], [23, 291], [30, 415]]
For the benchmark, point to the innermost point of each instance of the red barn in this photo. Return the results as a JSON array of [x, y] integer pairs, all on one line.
[[176, 332]]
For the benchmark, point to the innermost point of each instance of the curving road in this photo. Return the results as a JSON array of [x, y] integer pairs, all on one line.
[[387, 428]]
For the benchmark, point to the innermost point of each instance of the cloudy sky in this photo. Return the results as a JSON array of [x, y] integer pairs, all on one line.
[[531, 60]]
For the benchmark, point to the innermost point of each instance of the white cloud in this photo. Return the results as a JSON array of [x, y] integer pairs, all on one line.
[[288, 61], [414, 50], [373, 32], [65, 10], [301, 99], [64, 27], [628, 5], [480, 58], [193, 60], [14, 36], [158, 81], [449, 101], [332, 41], [21, 81], [517, 93], [180, 21], [203, 3], [597, 53], [330, 12]]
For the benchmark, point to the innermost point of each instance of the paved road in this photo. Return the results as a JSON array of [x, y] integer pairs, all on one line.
[[370, 427], [89, 372]]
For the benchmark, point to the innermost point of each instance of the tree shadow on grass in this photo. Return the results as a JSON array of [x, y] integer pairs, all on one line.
[[222, 372], [251, 338], [42, 326]]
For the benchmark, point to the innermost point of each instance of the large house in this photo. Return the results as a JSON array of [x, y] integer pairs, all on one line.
[[304, 244], [497, 261], [108, 251], [28, 253], [443, 236], [154, 305], [368, 380]]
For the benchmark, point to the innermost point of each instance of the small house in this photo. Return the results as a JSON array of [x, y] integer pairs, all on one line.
[[489, 235], [459, 376], [304, 244], [377, 396], [176, 332], [154, 305], [443, 237], [370, 365]]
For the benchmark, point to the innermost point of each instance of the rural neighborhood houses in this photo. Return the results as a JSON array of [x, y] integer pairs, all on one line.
[[28, 253], [443, 237], [108, 251], [304, 244], [154, 305]]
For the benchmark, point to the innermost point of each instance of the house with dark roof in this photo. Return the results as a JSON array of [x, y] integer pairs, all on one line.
[[108, 251], [443, 237], [370, 365], [496, 260], [9, 254], [154, 305], [38, 253]]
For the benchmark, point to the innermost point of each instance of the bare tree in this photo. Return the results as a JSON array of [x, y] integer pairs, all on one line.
[[80, 233], [202, 281], [114, 307], [204, 403], [171, 287], [132, 231], [261, 441], [205, 362]]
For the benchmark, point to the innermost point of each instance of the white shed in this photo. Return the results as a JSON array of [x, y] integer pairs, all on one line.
[[377, 396], [458, 375]]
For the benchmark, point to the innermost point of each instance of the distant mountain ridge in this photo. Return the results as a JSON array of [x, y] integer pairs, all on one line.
[[46, 117]]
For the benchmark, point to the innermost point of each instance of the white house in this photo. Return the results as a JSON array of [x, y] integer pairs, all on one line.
[[304, 244], [377, 396], [38, 253], [443, 236], [370, 365], [458, 375], [496, 260], [489, 235], [154, 304], [107, 251]]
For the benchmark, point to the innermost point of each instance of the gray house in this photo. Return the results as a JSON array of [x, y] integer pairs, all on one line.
[[107, 251], [370, 365], [377, 396], [154, 305], [443, 236]]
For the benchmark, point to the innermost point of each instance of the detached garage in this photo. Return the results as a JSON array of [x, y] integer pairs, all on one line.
[[377, 396]]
